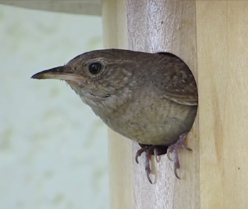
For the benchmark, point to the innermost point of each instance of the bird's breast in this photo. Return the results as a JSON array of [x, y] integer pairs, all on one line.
[[159, 122]]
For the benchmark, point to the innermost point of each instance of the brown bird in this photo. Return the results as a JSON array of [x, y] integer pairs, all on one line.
[[149, 98]]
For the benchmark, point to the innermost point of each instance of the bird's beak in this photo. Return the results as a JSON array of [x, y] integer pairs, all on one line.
[[61, 72]]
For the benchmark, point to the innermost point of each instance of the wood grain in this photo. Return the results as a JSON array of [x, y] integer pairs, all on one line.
[[223, 74]]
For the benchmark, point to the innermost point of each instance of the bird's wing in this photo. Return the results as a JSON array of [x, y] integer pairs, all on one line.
[[178, 84], [188, 98]]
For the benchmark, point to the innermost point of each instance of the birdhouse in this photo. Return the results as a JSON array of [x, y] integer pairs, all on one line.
[[211, 38]]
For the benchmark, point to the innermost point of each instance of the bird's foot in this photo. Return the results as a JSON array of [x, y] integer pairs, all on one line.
[[158, 150], [150, 150], [174, 148]]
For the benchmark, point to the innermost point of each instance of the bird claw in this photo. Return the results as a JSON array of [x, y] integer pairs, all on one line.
[[139, 153], [180, 144], [147, 167], [149, 151], [169, 156], [157, 157], [158, 150]]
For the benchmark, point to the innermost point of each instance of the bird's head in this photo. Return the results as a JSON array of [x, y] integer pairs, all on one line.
[[95, 76]]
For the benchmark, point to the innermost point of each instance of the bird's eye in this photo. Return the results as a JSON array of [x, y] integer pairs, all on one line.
[[95, 68]]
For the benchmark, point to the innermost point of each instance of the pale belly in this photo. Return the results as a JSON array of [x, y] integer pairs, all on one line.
[[150, 126]]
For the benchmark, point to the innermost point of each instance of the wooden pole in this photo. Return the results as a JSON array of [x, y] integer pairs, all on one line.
[[155, 26]]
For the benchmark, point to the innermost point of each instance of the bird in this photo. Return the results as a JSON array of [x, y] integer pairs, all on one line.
[[150, 98]]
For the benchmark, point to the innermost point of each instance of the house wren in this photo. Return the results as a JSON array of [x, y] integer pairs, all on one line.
[[149, 98]]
